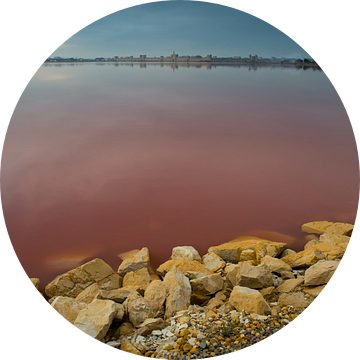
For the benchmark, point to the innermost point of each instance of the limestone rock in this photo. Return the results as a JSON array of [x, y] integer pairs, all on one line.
[[207, 285], [287, 252], [76, 280], [335, 239], [138, 309], [304, 259], [199, 299], [178, 292], [89, 294], [184, 265], [138, 260], [231, 251], [231, 274], [149, 325], [214, 303], [138, 280], [117, 295], [315, 227], [119, 312], [311, 243], [155, 295], [125, 329], [340, 229], [267, 291], [68, 307], [289, 285], [254, 277], [320, 273], [35, 282], [313, 291], [330, 251], [250, 300], [296, 299], [213, 262], [276, 266], [180, 252], [96, 318], [126, 345]]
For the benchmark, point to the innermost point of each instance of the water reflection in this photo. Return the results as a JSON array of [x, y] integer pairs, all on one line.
[[101, 159]]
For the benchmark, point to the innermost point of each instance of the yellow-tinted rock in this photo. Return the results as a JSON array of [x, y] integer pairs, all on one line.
[[304, 259], [138, 309], [89, 294], [118, 295], [207, 285], [184, 265], [125, 329], [213, 262], [297, 300], [138, 280], [330, 251], [180, 252], [155, 295], [254, 277], [315, 227], [320, 273], [250, 300], [35, 282], [313, 291], [134, 260], [75, 281], [68, 307], [231, 251], [340, 229], [126, 345], [289, 285]]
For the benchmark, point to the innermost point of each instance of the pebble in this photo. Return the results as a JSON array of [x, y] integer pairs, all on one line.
[[222, 333]]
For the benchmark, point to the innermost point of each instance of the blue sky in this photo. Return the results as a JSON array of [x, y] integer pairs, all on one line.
[[186, 27]]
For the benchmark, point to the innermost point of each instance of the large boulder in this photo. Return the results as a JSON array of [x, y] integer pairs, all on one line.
[[320, 273], [332, 238], [254, 277], [68, 307], [232, 250], [184, 265], [89, 294], [178, 292], [96, 318], [180, 252], [75, 281], [207, 285], [134, 260], [250, 300]]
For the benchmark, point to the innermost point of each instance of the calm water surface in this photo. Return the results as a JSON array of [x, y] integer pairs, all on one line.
[[100, 159]]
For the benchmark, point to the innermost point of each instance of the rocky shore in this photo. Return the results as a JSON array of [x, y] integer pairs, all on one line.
[[237, 294]]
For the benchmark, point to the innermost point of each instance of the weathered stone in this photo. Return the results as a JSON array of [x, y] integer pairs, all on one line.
[[313, 291], [96, 318], [126, 345], [296, 299], [155, 295], [243, 298], [89, 294], [199, 299], [340, 229], [231, 274], [320, 273], [178, 292], [118, 295], [207, 285], [304, 259], [192, 275], [213, 262], [277, 266], [149, 325], [119, 312], [289, 285], [315, 227], [254, 277], [184, 265], [311, 243], [35, 282], [287, 252], [267, 291], [138, 309], [138, 280], [125, 329], [249, 256], [138, 260], [335, 239], [221, 295], [330, 251], [68, 307], [214, 303], [180, 252], [231, 251], [76, 280]]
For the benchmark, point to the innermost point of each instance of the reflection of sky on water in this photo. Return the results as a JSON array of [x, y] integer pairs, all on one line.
[[104, 159]]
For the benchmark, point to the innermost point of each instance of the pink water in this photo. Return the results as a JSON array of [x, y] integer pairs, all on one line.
[[102, 159]]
